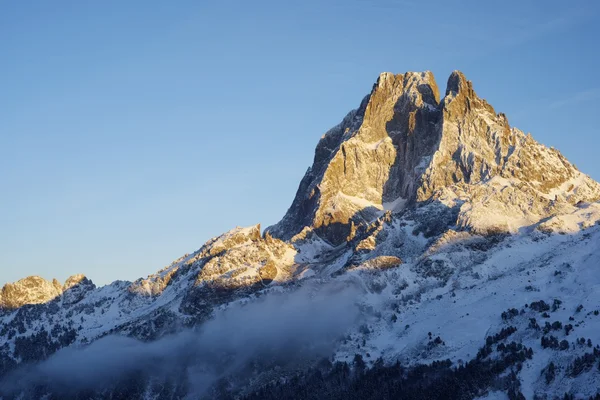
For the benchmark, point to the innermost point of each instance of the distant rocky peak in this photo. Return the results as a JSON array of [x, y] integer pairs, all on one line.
[[74, 280], [37, 290], [30, 290]]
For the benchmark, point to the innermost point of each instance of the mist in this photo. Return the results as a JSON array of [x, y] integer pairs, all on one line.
[[287, 329]]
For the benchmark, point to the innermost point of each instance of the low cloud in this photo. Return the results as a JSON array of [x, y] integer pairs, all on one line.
[[287, 328]]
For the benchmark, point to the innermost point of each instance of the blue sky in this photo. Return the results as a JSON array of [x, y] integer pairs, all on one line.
[[132, 132]]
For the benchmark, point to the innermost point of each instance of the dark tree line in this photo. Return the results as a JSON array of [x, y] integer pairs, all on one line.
[[438, 380]]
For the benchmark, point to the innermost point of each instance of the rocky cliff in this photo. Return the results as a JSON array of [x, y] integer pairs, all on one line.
[[403, 147]]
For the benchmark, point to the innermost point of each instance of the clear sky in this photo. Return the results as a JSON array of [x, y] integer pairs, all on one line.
[[133, 131]]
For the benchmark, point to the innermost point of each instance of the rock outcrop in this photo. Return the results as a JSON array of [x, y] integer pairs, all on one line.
[[37, 290], [30, 290], [239, 258]]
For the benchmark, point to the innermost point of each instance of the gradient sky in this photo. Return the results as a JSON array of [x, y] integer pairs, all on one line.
[[132, 132]]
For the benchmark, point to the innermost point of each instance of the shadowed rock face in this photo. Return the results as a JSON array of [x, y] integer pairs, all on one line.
[[403, 147]]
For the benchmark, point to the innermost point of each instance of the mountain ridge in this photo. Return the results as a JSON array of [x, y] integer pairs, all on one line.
[[396, 119], [413, 198]]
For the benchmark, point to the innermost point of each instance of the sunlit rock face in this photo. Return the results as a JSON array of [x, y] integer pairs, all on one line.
[[404, 147], [37, 290], [370, 161], [30, 290], [75, 289], [238, 262], [242, 257]]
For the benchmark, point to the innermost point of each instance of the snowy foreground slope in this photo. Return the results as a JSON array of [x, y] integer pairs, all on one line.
[[432, 251]]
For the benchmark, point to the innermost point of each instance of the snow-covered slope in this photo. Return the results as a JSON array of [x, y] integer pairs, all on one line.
[[462, 234], [463, 291]]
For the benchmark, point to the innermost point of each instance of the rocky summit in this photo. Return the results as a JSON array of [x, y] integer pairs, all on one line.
[[432, 251], [403, 148]]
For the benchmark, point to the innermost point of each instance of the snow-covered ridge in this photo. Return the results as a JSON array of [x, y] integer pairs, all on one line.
[[443, 214]]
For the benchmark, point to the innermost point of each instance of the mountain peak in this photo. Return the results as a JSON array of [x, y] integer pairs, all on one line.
[[30, 290], [419, 84], [74, 280], [404, 147], [36, 290], [457, 82]]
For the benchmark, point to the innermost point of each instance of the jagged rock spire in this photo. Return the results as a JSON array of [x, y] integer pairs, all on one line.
[[403, 146]]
